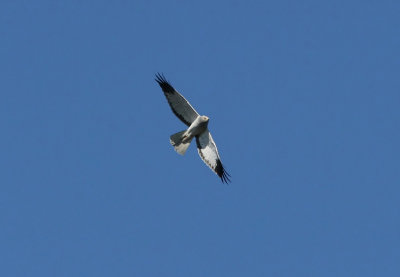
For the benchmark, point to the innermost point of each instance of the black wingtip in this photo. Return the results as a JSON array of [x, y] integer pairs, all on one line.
[[164, 84], [160, 78], [222, 173], [225, 178]]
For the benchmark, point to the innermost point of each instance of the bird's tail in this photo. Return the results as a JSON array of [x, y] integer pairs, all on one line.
[[180, 142]]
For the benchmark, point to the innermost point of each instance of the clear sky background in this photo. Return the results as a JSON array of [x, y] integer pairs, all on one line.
[[303, 98]]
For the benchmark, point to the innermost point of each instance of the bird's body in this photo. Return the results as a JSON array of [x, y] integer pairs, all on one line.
[[198, 128], [181, 140]]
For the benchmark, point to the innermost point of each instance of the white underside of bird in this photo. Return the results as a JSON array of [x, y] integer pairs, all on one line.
[[181, 140]]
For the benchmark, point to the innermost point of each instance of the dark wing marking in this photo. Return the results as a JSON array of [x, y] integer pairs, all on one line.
[[208, 152], [179, 105]]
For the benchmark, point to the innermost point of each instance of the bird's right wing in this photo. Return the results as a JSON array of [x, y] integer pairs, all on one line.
[[179, 105], [208, 152]]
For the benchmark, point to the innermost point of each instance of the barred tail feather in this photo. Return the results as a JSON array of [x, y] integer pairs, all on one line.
[[177, 142]]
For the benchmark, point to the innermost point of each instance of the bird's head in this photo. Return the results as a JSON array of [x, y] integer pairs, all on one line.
[[205, 118]]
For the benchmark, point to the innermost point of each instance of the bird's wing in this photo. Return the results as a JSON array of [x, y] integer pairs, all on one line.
[[209, 154], [179, 105]]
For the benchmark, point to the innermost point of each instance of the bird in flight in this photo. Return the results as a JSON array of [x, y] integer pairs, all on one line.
[[198, 128]]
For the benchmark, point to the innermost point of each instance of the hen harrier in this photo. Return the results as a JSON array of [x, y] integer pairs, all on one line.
[[197, 128]]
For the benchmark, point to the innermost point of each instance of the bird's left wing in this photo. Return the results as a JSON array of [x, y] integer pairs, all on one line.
[[209, 154], [179, 105]]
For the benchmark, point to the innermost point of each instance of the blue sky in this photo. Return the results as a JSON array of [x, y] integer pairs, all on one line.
[[303, 98]]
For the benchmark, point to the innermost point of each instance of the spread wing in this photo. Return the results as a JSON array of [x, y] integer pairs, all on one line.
[[209, 154], [179, 105]]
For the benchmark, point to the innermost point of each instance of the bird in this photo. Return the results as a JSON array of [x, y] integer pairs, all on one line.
[[197, 128]]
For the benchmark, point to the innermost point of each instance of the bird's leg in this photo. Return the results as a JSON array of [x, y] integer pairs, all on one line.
[[185, 137]]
